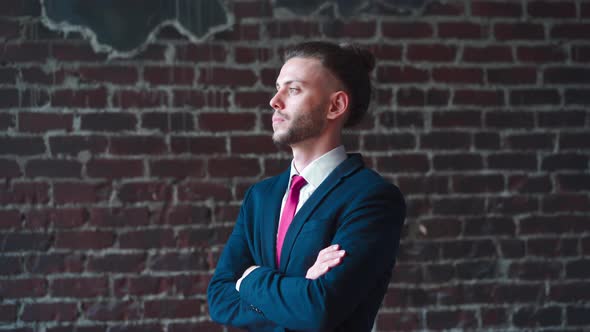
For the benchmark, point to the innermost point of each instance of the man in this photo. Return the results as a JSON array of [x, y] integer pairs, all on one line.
[[313, 248]]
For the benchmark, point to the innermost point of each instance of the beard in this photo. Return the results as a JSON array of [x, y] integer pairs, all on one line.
[[301, 127]]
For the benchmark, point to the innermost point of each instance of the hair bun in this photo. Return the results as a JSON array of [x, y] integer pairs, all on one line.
[[366, 57]]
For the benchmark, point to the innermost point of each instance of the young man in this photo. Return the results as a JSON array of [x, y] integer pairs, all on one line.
[[314, 247]]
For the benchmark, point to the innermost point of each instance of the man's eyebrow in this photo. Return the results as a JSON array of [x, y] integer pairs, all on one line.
[[289, 82]]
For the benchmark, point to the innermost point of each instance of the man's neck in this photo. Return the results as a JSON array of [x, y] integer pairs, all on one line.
[[306, 152]]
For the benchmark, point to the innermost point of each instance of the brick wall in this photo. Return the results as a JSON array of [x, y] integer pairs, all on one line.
[[121, 178]]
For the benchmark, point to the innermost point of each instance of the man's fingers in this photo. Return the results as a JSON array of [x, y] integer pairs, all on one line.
[[326, 256], [330, 248]]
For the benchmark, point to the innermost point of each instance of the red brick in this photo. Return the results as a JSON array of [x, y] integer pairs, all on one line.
[[147, 239], [8, 312], [535, 97], [177, 168], [252, 99], [142, 285], [456, 119], [40, 312], [562, 9], [513, 204], [569, 292], [574, 141], [68, 51], [579, 31], [497, 9], [114, 168], [381, 51], [457, 162], [133, 145], [562, 161], [431, 53], [477, 183], [513, 161], [145, 192], [182, 308], [292, 29], [55, 218], [398, 30], [53, 168], [509, 119], [23, 288], [79, 287], [196, 327], [24, 193], [72, 145], [253, 54], [227, 121], [153, 52], [204, 237], [352, 29], [585, 10], [519, 31], [537, 141], [530, 184], [512, 75], [462, 319], [253, 144], [8, 75], [176, 75], [198, 145], [140, 99], [227, 76], [479, 97], [567, 75], [42, 122], [425, 183], [553, 225], [83, 98], [487, 54], [9, 168], [408, 162], [234, 167], [459, 206], [34, 97], [84, 239], [580, 53], [38, 75], [9, 98], [199, 99], [175, 261], [578, 315], [201, 52], [9, 265], [574, 182], [110, 122], [187, 214], [9, 29], [457, 75], [7, 121], [201, 191], [116, 263], [258, 9], [117, 217], [461, 30], [124, 75], [484, 226], [112, 310], [450, 140], [25, 52], [537, 316], [487, 140], [55, 263], [10, 219], [389, 142], [404, 74]]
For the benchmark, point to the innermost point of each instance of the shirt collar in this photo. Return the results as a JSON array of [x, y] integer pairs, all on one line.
[[318, 170]]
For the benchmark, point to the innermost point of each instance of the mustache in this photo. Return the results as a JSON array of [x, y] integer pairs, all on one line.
[[284, 116]]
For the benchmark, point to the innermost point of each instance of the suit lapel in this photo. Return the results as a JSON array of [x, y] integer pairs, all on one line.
[[347, 167], [269, 225]]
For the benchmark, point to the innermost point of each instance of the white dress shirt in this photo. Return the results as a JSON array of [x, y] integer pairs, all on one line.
[[314, 174]]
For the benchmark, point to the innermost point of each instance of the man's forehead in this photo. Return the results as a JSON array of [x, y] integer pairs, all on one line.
[[300, 70]]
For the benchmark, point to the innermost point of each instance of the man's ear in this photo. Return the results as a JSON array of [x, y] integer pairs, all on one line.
[[338, 105]]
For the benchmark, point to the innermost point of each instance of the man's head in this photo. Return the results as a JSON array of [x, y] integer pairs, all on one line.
[[321, 85]]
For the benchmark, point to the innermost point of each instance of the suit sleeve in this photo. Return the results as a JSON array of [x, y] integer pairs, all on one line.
[[370, 233], [225, 305]]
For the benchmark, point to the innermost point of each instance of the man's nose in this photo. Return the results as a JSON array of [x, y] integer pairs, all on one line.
[[275, 102]]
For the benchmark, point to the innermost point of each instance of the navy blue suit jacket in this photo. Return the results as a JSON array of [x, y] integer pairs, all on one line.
[[355, 208]]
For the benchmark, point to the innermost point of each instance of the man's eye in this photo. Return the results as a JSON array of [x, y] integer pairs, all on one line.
[[293, 90]]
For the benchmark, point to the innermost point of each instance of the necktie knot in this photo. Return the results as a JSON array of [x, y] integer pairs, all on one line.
[[297, 183]]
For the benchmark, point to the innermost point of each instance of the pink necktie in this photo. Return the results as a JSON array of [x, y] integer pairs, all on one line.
[[289, 212]]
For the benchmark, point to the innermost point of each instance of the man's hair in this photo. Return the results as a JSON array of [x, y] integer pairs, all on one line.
[[350, 64]]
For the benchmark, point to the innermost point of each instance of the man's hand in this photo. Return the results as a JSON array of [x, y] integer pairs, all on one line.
[[327, 259]]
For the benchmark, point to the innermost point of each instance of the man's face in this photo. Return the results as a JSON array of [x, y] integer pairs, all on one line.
[[301, 102]]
